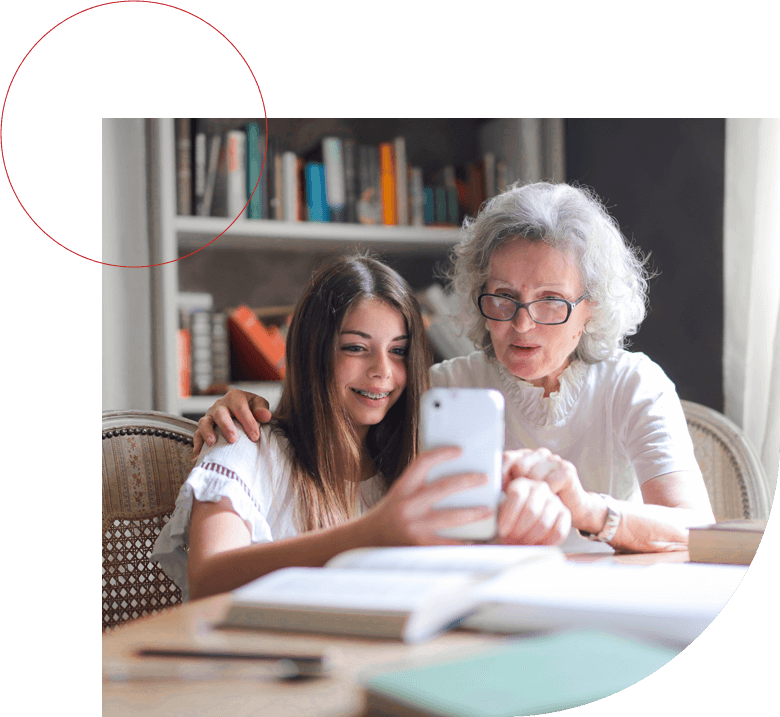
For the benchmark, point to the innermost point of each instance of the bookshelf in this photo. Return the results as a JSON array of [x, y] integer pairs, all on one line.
[[173, 236], [193, 232]]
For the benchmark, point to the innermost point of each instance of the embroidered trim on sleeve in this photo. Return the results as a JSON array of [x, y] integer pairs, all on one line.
[[217, 468]]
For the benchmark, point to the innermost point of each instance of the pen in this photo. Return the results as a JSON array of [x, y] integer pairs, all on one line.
[[201, 671], [308, 660], [279, 666]]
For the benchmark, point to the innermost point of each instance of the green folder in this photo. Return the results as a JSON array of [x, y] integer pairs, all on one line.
[[531, 676]]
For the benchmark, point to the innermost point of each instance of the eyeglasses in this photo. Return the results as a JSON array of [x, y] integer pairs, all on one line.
[[549, 312]]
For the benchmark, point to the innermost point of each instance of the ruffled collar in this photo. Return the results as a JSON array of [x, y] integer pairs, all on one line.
[[530, 400]]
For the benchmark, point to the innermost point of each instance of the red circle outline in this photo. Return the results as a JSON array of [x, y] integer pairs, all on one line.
[[2, 115]]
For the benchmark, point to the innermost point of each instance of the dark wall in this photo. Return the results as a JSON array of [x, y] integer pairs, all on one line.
[[662, 179]]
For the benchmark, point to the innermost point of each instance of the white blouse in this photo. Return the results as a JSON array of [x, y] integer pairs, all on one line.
[[619, 421], [256, 479]]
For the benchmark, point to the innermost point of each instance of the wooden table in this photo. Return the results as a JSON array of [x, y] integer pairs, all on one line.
[[247, 689]]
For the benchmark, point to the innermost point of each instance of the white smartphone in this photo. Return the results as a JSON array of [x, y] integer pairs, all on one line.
[[472, 418]]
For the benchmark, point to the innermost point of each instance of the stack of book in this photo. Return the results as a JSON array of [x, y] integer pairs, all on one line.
[[729, 541], [244, 173]]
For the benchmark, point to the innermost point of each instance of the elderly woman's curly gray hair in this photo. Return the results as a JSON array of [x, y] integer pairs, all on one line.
[[573, 220]]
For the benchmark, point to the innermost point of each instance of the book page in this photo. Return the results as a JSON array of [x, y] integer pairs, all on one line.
[[479, 560], [668, 602], [349, 589]]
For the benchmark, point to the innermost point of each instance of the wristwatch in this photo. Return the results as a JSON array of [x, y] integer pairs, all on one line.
[[610, 525]]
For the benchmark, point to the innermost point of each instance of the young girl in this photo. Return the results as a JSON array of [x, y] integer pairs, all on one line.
[[337, 467]]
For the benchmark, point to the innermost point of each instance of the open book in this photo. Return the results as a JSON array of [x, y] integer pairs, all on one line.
[[408, 593], [670, 603], [415, 593]]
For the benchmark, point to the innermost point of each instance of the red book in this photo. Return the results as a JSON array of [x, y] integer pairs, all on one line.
[[260, 348]]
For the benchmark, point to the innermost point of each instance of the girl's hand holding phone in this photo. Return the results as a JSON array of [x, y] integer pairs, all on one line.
[[407, 516]]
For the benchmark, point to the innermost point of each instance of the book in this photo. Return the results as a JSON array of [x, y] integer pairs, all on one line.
[[255, 156], [369, 209], [416, 197], [183, 351], [409, 593], [204, 208], [532, 676], [335, 177], [387, 183], [316, 193], [290, 191], [200, 164], [401, 182], [729, 541], [260, 349], [183, 166], [415, 593], [236, 195], [350, 181], [671, 603], [195, 309]]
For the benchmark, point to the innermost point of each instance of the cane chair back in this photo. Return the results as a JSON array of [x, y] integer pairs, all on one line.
[[733, 474], [146, 458]]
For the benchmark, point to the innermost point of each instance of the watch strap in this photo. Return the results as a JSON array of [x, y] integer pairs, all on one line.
[[607, 533]]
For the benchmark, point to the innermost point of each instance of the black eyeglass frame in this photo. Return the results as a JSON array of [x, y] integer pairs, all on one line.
[[520, 305]]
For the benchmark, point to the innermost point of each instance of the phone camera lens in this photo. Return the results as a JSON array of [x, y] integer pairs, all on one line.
[[436, 404]]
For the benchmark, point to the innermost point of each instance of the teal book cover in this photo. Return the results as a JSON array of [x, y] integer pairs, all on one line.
[[528, 676], [316, 198], [255, 149]]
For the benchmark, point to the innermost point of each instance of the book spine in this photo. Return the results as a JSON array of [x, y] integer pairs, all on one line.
[[316, 199], [429, 205], [452, 195], [387, 180], [501, 176], [202, 373], [489, 165], [236, 179], [350, 182], [183, 349], [416, 197], [204, 209], [290, 182], [401, 182], [278, 193], [200, 164], [335, 190], [184, 166], [253, 163], [220, 349]]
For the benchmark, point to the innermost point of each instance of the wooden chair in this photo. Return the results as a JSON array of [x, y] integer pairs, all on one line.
[[146, 458], [732, 471]]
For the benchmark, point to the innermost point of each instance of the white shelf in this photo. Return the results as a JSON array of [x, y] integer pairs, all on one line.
[[271, 391], [194, 232]]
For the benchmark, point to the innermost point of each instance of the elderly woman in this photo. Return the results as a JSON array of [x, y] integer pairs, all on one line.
[[550, 291]]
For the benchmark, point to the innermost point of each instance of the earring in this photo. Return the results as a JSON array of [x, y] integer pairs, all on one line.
[[586, 329]]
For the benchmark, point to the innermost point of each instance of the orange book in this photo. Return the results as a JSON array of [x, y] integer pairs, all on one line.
[[183, 348], [387, 181], [260, 348]]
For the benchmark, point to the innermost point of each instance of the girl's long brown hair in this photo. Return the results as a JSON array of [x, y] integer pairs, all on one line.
[[326, 451]]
